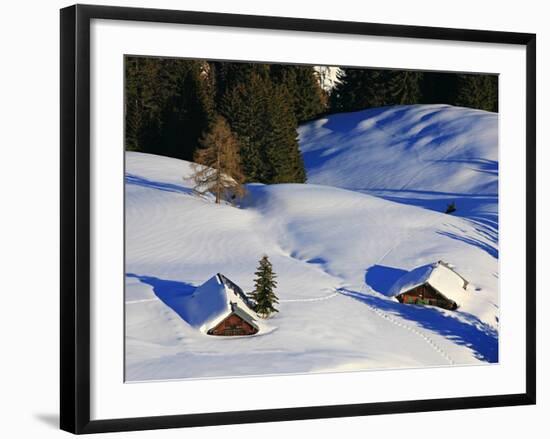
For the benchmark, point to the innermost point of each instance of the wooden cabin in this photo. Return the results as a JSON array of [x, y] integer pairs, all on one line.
[[236, 323], [436, 284], [426, 295], [220, 307]]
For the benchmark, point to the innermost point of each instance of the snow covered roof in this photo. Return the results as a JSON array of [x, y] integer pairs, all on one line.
[[439, 275], [214, 300]]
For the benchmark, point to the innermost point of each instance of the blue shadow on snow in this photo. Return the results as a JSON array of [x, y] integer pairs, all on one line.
[[167, 187], [344, 125], [320, 261], [485, 223], [170, 292], [489, 249], [438, 201], [380, 278], [475, 334], [485, 166]]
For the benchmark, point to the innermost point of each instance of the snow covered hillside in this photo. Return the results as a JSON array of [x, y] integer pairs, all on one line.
[[426, 155], [337, 251]]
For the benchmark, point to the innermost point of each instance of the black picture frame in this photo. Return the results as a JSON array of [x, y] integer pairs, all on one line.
[[75, 218]]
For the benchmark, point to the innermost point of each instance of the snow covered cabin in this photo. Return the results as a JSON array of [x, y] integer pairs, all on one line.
[[220, 307], [435, 284]]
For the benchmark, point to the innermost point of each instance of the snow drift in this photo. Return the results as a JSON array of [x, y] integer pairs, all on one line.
[[212, 302], [439, 276], [426, 155], [337, 251]]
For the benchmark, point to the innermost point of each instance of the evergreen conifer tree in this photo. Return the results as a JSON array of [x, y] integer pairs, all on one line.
[[403, 87], [478, 91], [282, 153], [187, 111], [132, 111], [262, 116], [438, 88], [264, 285], [142, 101], [244, 108], [307, 98], [451, 207], [359, 89], [232, 74], [169, 104], [218, 165]]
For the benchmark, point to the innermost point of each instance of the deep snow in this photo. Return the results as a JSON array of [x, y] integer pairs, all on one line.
[[425, 155], [337, 250], [440, 276]]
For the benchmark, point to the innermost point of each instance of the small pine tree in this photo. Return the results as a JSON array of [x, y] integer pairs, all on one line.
[[264, 284], [451, 207], [218, 165]]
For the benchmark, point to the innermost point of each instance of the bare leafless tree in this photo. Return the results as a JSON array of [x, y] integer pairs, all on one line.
[[217, 167]]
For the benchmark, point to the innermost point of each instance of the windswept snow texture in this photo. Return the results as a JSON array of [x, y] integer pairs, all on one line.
[[365, 218], [424, 155]]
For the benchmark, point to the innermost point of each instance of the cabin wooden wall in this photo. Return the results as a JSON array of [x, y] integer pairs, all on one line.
[[426, 295], [233, 325]]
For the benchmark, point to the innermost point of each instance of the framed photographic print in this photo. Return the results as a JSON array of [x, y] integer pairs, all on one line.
[[268, 218]]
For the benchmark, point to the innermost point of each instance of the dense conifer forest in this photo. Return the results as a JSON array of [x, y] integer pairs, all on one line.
[[171, 104], [358, 89]]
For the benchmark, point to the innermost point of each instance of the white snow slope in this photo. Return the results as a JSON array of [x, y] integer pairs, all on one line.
[[426, 155], [337, 251]]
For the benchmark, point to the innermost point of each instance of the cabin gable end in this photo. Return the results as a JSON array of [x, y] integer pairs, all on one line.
[[233, 325], [425, 294]]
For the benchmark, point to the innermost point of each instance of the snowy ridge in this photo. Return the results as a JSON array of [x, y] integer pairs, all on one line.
[[404, 147], [425, 155]]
